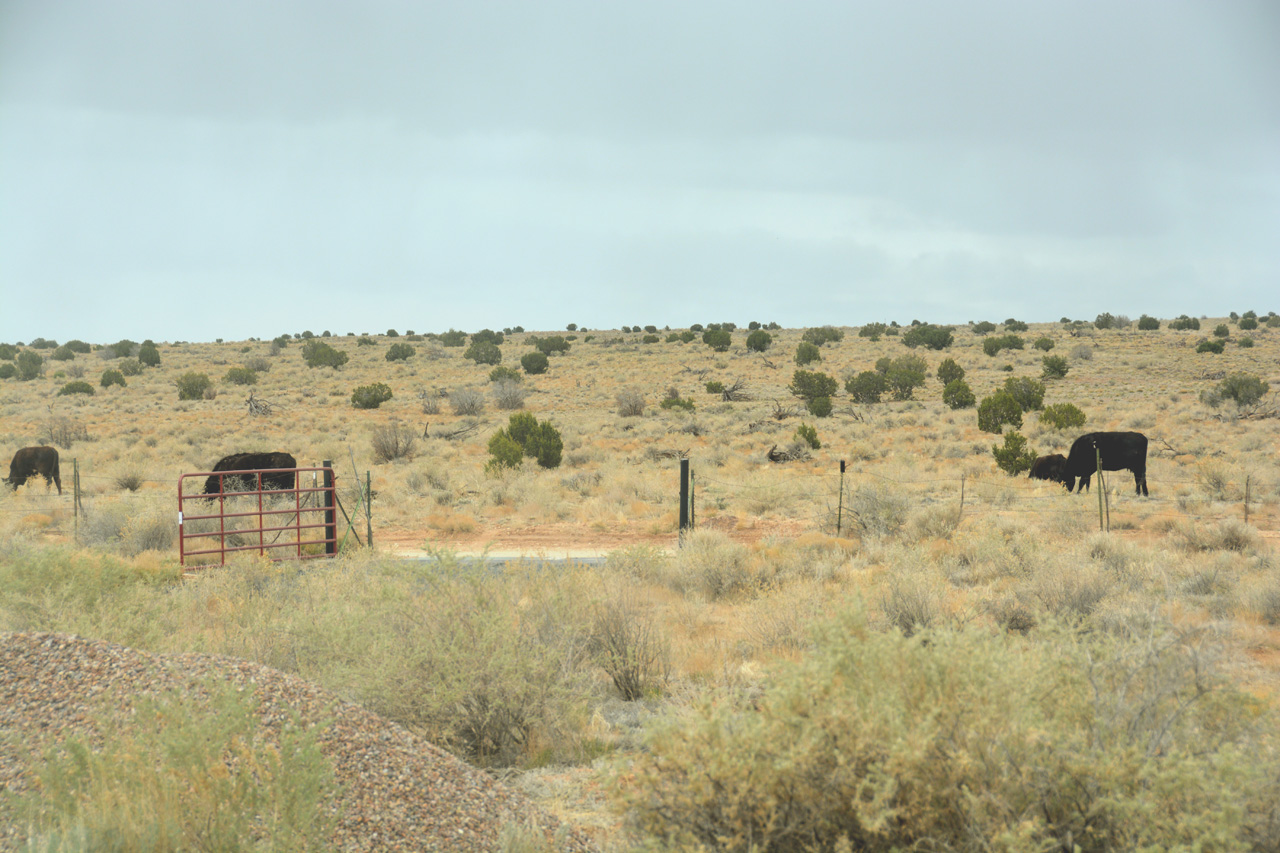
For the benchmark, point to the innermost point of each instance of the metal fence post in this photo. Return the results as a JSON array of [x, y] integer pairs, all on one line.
[[330, 517], [684, 498], [368, 508]]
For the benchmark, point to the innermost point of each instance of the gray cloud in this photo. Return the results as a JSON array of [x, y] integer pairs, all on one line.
[[666, 162]]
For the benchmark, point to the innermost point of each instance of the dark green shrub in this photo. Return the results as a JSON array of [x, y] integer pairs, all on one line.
[[525, 436], [504, 452], [1248, 324], [984, 328], [958, 395], [678, 403], [552, 343], [904, 375], [193, 385], [8, 370], [873, 331], [1211, 346], [1055, 367], [316, 353], [130, 366], [1245, 343], [453, 338], [484, 352], [809, 385], [78, 346], [149, 354], [807, 353], [77, 387], [240, 376], [62, 353], [501, 373], [759, 341], [715, 386], [534, 363], [1014, 456], [929, 336], [41, 343], [400, 352], [487, 335], [112, 377], [997, 410], [8, 352], [30, 364], [1221, 331], [545, 445], [823, 334], [362, 341], [1012, 325], [650, 339], [123, 348], [949, 371], [1043, 344], [991, 346], [819, 407], [867, 386], [1105, 321], [808, 435], [1028, 392], [1185, 323], [1245, 389], [370, 396], [1148, 324], [1062, 416], [718, 339]]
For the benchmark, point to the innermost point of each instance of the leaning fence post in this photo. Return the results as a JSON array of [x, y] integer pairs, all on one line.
[[330, 517], [1246, 498], [840, 503], [1102, 487], [961, 513], [368, 508], [684, 498]]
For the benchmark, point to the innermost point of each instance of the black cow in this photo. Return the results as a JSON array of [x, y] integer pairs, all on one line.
[[30, 461], [1052, 467], [1117, 449], [251, 462]]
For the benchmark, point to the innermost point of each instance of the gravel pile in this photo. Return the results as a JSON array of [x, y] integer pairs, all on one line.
[[399, 792]]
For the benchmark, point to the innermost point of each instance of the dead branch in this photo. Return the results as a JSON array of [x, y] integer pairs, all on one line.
[[655, 454], [459, 432], [259, 408], [781, 412], [795, 452], [736, 393], [769, 364]]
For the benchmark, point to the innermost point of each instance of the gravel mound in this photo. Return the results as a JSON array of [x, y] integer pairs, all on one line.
[[399, 791]]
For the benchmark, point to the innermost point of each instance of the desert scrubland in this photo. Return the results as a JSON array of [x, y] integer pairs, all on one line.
[[928, 651]]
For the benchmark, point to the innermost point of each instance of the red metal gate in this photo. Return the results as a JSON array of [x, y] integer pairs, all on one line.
[[223, 523]]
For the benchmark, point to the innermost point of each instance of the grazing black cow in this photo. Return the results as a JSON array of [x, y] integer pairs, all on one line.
[[30, 461], [1117, 449], [251, 462], [1052, 467]]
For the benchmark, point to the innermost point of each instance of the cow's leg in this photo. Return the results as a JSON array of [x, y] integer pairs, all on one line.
[[1084, 483], [1140, 481]]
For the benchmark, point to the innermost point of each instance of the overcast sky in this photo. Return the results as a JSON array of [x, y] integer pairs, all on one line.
[[198, 169]]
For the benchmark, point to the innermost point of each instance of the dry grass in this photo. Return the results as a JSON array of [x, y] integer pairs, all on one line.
[[928, 532]]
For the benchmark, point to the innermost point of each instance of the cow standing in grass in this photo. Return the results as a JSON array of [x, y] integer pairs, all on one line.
[[30, 461], [266, 462], [1117, 449], [1052, 467]]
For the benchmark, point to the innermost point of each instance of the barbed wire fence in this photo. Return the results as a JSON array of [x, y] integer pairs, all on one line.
[[829, 502]]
